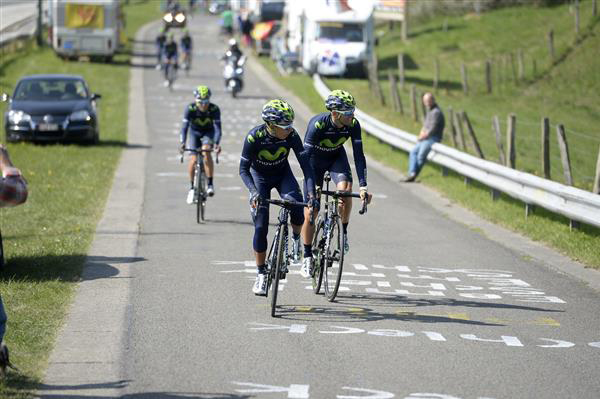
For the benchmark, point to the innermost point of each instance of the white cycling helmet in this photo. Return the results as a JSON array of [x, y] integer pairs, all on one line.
[[232, 42]]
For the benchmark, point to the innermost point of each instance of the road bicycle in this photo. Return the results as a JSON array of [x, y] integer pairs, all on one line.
[[328, 241], [200, 181], [278, 258]]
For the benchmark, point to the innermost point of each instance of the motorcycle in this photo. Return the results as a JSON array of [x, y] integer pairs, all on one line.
[[233, 74]]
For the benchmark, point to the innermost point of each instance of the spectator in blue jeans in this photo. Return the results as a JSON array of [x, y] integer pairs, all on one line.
[[431, 132]]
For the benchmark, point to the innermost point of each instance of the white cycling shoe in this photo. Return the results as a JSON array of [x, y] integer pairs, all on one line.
[[260, 285], [210, 191], [306, 270], [190, 197], [296, 250]]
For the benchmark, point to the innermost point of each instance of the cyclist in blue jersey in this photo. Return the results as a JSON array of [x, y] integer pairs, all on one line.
[[170, 55], [186, 48], [263, 166], [160, 44], [203, 118], [324, 141]]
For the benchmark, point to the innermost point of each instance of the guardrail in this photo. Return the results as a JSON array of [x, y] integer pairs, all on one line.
[[576, 204], [22, 29]]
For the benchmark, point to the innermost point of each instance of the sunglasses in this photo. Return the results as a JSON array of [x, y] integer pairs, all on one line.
[[284, 127], [346, 113], [203, 102]]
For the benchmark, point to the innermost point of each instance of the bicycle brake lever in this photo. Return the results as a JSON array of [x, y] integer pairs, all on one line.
[[363, 209]]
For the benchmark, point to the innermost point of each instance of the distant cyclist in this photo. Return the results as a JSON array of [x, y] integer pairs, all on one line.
[[263, 166], [170, 55], [203, 118], [324, 141], [186, 48]]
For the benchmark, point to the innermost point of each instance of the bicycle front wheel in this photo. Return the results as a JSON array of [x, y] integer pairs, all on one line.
[[318, 246], [334, 259], [278, 266], [201, 204]]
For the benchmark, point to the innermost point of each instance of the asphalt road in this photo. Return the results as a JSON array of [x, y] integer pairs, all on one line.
[[429, 308]]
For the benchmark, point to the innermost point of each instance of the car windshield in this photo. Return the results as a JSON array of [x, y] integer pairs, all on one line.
[[340, 31], [51, 90]]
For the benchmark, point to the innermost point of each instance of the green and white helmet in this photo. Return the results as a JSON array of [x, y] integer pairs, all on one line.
[[202, 93], [340, 100], [278, 112]]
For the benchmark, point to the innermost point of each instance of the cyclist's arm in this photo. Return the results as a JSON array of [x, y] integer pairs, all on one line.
[[217, 125], [359, 156], [245, 163], [304, 160], [185, 123]]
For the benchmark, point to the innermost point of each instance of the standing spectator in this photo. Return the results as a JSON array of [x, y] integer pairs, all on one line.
[[246, 28], [227, 21], [13, 191], [430, 133]]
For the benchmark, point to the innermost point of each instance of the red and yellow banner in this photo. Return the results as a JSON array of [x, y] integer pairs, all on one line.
[[84, 16]]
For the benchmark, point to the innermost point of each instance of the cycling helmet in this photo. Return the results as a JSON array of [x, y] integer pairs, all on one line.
[[232, 42], [202, 93], [278, 112], [340, 100]]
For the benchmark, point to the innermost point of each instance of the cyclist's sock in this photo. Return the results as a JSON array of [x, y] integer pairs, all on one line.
[[191, 184], [210, 181], [262, 269], [296, 236], [307, 250], [345, 228]]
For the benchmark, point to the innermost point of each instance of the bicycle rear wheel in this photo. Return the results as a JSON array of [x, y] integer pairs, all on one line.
[[279, 260], [317, 246], [334, 259]]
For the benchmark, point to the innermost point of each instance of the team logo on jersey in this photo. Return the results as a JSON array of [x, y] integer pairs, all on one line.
[[330, 144], [202, 121], [266, 154], [319, 125]]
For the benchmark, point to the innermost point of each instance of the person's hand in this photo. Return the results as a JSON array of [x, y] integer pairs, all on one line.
[[364, 195], [254, 199], [217, 148], [313, 203], [181, 148]]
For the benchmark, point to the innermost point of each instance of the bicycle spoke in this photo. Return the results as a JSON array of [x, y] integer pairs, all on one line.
[[334, 260]]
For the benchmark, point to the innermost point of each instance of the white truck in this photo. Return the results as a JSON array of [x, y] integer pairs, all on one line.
[[86, 27], [331, 37]]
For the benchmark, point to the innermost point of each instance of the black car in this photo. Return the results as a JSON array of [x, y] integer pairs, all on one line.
[[51, 108]]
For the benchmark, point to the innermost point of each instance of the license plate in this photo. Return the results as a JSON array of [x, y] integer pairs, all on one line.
[[45, 127]]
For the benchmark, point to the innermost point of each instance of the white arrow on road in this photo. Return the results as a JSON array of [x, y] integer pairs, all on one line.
[[374, 394], [294, 391], [293, 328], [345, 330]]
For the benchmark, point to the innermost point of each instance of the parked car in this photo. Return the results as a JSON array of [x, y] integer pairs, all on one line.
[[51, 108]]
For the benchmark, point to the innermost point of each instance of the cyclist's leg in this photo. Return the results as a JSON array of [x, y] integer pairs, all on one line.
[[194, 142], [207, 144], [289, 189], [261, 220], [308, 230], [341, 175]]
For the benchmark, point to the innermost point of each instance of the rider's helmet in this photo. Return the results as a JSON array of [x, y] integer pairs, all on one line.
[[232, 42], [170, 37], [186, 32], [202, 93], [340, 100], [278, 112]]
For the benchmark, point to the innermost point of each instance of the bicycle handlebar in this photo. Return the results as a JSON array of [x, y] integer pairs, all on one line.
[[196, 151], [289, 203], [347, 194]]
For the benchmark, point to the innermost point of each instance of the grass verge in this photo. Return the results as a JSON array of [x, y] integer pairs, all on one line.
[[543, 226], [46, 239]]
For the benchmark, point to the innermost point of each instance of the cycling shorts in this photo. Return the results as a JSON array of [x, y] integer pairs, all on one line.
[[197, 139], [338, 167]]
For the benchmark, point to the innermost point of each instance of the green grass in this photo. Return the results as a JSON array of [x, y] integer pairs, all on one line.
[[46, 239], [547, 94]]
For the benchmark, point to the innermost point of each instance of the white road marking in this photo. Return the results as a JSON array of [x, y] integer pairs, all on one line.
[[374, 394], [294, 391]]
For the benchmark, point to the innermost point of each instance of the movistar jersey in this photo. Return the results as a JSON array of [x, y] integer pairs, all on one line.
[[268, 156], [201, 122], [324, 140]]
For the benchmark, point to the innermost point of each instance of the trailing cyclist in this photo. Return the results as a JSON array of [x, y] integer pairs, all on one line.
[[161, 38], [186, 48], [263, 166], [324, 142], [170, 55], [203, 118]]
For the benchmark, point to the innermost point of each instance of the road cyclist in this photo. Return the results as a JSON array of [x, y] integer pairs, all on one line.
[[186, 49], [203, 119], [324, 142], [263, 166], [170, 59], [161, 38]]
